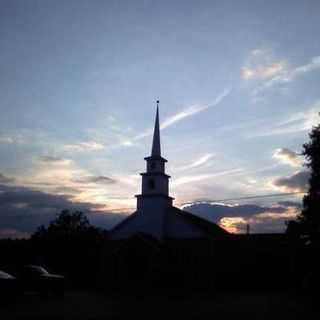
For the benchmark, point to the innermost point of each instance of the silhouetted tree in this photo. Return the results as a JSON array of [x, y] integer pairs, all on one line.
[[305, 231], [310, 215], [70, 245], [293, 229], [68, 225]]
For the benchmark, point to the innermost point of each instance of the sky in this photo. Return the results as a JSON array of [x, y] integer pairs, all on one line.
[[238, 88]]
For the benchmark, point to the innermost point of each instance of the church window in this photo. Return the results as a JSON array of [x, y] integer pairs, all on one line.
[[151, 184], [153, 165]]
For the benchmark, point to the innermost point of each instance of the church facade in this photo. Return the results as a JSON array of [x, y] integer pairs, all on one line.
[[155, 215]]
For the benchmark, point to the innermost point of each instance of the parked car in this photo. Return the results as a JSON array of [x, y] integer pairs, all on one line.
[[9, 287], [38, 279]]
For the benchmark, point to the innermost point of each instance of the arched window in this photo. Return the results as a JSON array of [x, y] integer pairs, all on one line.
[[153, 165], [151, 184]]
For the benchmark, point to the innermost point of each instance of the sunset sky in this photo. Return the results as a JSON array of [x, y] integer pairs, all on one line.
[[238, 83]]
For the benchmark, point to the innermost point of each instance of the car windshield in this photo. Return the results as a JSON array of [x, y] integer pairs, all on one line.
[[38, 269], [4, 275]]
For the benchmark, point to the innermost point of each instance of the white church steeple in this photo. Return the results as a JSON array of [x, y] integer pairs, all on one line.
[[156, 147], [155, 182], [155, 214]]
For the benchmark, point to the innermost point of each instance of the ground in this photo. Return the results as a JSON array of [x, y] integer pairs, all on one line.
[[86, 305]]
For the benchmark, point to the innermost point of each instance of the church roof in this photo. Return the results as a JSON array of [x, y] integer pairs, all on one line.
[[206, 226], [208, 229]]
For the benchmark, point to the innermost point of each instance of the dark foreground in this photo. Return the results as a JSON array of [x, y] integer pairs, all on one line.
[[86, 305]]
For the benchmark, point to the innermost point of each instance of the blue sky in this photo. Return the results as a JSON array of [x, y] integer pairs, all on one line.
[[238, 89]]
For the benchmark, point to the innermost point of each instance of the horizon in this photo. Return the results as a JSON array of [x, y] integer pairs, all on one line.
[[237, 85]]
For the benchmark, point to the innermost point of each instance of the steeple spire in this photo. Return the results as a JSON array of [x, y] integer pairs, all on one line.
[[156, 149]]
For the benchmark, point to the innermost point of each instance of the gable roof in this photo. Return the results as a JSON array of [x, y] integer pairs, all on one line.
[[206, 226], [209, 229], [123, 222]]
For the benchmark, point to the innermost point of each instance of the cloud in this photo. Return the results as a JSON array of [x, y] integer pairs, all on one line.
[[6, 139], [194, 178], [183, 114], [217, 211], [301, 121], [261, 65], [236, 217], [187, 112], [14, 139], [293, 123], [314, 64], [288, 156], [233, 225], [96, 179], [290, 204], [84, 146], [5, 180], [288, 75], [22, 210], [55, 175], [298, 182], [263, 72], [261, 223], [198, 162]]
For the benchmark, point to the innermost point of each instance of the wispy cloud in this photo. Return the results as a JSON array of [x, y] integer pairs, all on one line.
[[287, 75], [295, 122], [183, 114], [11, 139], [84, 146], [269, 71], [314, 64], [192, 110], [263, 72], [6, 139], [198, 162], [261, 65], [195, 178]]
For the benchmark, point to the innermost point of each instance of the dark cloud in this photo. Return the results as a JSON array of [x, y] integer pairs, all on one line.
[[4, 179], [215, 212], [290, 204], [22, 210], [261, 218], [297, 182], [96, 179]]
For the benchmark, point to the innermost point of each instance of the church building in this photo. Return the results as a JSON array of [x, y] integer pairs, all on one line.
[[155, 215]]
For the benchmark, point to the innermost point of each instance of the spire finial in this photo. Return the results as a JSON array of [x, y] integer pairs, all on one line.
[[156, 149]]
